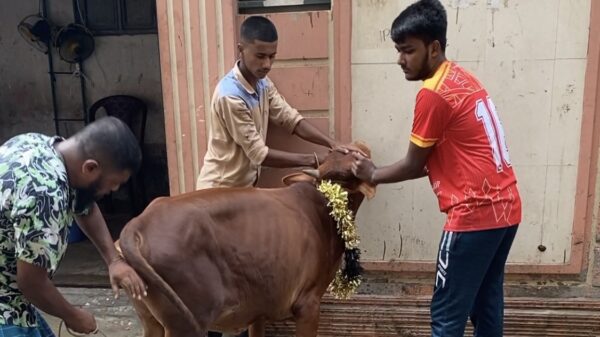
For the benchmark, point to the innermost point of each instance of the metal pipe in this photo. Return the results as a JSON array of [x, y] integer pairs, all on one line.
[[79, 20], [51, 72], [86, 118]]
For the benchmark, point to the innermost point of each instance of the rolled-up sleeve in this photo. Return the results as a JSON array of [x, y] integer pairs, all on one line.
[[238, 120], [280, 112]]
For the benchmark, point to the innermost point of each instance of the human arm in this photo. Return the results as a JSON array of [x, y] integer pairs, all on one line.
[[37, 250], [242, 128], [282, 159], [284, 115], [35, 285], [308, 132], [412, 166], [120, 273], [431, 117]]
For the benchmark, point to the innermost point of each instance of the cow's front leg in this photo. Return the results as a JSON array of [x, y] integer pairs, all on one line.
[[306, 314], [257, 329]]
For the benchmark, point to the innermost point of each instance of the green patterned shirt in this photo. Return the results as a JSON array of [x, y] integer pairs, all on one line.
[[36, 210]]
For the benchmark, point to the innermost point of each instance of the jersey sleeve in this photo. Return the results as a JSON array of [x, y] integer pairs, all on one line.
[[431, 117]]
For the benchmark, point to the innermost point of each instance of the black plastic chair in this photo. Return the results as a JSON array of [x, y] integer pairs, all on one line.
[[133, 112]]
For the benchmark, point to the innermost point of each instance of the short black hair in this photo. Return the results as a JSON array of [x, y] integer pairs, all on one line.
[[424, 19], [258, 28], [110, 142]]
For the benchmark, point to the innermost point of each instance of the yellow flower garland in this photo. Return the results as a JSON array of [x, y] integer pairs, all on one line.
[[337, 199]]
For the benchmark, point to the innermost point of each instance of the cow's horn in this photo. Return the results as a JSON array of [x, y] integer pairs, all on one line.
[[313, 173]]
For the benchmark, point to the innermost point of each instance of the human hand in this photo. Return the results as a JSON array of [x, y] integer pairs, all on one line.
[[363, 168], [81, 321], [122, 275], [340, 148]]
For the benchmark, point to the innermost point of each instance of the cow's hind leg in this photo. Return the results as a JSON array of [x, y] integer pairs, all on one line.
[[152, 328], [306, 314], [179, 332], [257, 329], [173, 322]]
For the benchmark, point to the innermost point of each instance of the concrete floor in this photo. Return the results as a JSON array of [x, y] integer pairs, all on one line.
[[115, 318], [83, 279], [82, 266]]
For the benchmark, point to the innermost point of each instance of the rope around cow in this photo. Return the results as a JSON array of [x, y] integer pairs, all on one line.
[[348, 277]]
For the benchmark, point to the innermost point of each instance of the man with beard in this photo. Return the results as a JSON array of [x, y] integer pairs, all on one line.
[[45, 183], [458, 141], [243, 103]]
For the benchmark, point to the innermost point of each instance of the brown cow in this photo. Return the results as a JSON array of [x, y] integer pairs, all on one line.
[[226, 259]]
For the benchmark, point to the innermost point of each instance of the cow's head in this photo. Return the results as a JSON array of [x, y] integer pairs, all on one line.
[[337, 167]]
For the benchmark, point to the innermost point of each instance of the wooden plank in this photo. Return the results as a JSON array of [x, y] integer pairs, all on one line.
[[302, 35], [168, 102], [342, 69], [368, 315], [305, 88]]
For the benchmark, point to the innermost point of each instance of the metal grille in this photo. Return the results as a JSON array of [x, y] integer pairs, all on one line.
[[117, 17], [271, 6]]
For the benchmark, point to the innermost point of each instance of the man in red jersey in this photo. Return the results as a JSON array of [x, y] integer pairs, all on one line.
[[458, 141]]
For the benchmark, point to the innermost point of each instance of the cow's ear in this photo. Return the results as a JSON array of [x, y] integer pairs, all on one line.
[[367, 189], [363, 147], [296, 178]]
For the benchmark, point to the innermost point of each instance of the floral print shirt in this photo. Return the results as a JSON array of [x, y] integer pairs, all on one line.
[[36, 210]]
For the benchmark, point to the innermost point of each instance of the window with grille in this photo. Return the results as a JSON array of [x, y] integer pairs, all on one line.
[[271, 6], [117, 17]]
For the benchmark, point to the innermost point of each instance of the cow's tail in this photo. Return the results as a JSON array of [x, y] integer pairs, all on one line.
[[131, 241]]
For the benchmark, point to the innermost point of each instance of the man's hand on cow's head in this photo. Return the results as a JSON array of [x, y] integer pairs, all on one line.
[[340, 148], [122, 275], [348, 148], [363, 168]]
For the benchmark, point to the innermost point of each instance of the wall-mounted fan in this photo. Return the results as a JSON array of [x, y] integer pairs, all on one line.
[[74, 42], [37, 31]]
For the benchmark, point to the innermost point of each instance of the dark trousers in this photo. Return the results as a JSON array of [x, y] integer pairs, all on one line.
[[469, 282]]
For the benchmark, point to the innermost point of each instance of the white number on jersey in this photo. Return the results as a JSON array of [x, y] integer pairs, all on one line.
[[485, 111]]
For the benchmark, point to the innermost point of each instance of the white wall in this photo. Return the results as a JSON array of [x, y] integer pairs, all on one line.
[[531, 56]]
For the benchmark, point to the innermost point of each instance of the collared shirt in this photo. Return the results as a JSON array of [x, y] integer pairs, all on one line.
[[36, 208], [240, 116]]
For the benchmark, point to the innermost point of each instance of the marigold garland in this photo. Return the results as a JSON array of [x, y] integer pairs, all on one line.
[[347, 278]]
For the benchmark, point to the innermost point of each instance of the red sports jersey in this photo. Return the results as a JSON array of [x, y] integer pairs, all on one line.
[[469, 167]]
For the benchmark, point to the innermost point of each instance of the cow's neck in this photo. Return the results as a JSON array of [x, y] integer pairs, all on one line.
[[309, 192], [319, 201], [354, 201]]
